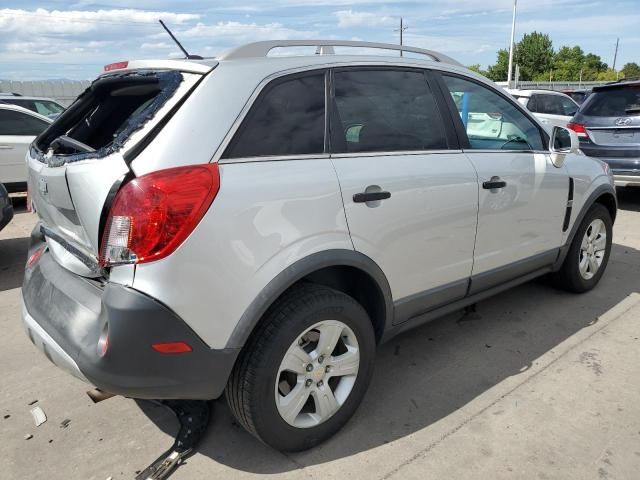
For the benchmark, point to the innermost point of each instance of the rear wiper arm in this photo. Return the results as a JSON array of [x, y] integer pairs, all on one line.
[[64, 141]]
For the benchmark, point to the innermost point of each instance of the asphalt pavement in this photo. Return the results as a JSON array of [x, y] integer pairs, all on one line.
[[536, 384]]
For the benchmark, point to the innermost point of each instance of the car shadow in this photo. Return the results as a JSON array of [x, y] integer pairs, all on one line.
[[13, 253], [424, 375], [628, 198]]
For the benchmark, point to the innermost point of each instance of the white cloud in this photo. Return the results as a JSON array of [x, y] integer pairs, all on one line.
[[42, 21], [233, 31], [349, 18]]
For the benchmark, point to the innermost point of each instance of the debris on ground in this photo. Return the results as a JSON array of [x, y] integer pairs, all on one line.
[[28, 436], [193, 416], [38, 415], [7, 416], [65, 423], [32, 402]]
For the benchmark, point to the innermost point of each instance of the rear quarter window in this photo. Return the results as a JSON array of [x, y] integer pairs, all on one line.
[[288, 118]]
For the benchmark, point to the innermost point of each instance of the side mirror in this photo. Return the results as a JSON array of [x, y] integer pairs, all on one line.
[[563, 141]]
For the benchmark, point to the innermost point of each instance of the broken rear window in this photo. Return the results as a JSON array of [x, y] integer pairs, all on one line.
[[103, 117]]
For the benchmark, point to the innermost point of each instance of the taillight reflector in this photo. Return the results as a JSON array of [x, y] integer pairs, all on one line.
[[172, 347], [116, 66], [153, 214], [578, 128], [34, 257]]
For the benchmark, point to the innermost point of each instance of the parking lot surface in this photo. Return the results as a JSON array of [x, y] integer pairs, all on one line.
[[536, 383]]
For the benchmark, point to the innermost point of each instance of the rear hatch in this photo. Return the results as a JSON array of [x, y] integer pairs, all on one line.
[[611, 117], [77, 165]]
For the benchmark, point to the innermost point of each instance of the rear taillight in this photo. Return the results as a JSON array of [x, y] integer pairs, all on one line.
[[153, 214], [578, 128]]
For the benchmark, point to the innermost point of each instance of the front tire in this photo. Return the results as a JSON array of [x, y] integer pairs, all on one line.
[[589, 252], [305, 370]]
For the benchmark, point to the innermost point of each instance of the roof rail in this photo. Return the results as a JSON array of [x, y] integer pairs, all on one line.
[[262, 49]]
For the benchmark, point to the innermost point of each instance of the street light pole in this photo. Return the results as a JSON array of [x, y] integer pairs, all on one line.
[[511, 45]]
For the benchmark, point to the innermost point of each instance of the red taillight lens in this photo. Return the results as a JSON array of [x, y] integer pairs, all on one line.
[[172, 347], [578, 128], [153, 214]]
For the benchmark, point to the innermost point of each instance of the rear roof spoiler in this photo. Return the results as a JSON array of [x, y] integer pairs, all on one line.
[[188, 66]]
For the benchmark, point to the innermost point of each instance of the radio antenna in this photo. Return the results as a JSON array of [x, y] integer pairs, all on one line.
[[173, 37]]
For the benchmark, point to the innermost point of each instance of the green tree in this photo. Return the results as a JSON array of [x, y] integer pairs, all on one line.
[[593, 66], [567, 63], [498, 72], [476, 68], [534, 55], [607, 75], [631, 70]]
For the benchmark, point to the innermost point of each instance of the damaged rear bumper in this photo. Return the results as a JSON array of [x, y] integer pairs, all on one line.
[[65, 316]]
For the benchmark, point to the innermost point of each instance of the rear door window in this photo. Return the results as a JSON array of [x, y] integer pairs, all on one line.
[[385, 110], [288, 118], [18, 123], [614, 102]]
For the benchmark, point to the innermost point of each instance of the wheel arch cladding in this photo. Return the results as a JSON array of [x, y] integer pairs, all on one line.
[[347, 271], [609, 201]]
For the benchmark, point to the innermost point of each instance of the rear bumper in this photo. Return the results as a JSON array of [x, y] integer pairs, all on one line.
[[626, 179], [65, 315]]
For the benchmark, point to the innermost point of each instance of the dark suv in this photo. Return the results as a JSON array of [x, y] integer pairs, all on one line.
[[608, 125]]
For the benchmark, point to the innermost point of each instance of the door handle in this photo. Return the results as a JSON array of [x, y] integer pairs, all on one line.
[[495, 182], [6, 147], [370, 196]]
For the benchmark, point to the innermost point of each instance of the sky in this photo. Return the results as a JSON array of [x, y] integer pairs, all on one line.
[[75, 39]]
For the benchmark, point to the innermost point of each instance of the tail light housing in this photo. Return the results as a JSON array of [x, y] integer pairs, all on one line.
[[153, 214], [579, 128]]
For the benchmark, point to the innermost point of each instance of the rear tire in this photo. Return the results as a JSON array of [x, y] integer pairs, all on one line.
[[588, 254], [281, 369]]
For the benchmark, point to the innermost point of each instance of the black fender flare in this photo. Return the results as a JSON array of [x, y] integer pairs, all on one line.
[[586, 206], [300, 269]]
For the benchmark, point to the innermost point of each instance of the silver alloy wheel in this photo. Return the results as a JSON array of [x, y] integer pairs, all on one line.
[[317, 374], [592, 249]]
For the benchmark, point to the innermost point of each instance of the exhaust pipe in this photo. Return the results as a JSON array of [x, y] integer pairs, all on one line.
[[97, 395]]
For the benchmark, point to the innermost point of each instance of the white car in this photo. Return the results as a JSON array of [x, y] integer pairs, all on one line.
[[553, 109], [18, 128], [42, 105]]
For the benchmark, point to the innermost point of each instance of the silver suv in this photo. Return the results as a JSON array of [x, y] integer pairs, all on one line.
[[257, 225]]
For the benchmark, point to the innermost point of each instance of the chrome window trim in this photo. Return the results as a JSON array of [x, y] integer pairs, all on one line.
[[493, 150], [275, 158], [394, 153]]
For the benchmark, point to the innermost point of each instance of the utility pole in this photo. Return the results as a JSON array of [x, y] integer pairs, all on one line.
[[401, 30], [615, 55], [511, 45]]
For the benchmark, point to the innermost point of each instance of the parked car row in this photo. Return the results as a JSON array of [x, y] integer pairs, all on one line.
[[607, 123]]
